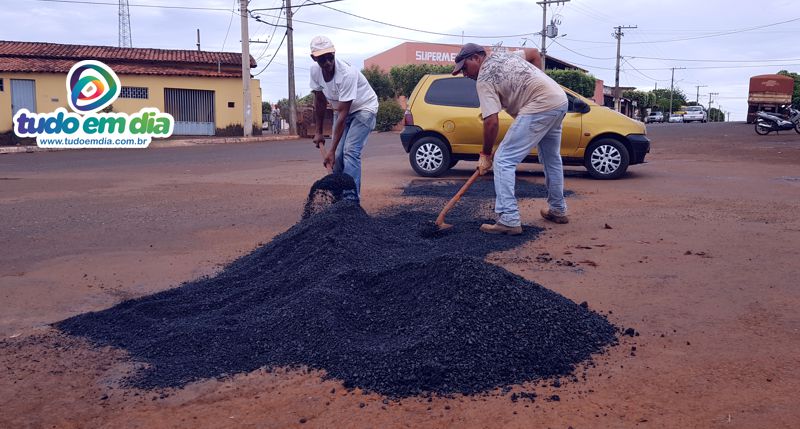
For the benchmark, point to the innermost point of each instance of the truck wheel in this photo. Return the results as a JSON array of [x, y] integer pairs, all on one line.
[[429, 157], [606, 159]]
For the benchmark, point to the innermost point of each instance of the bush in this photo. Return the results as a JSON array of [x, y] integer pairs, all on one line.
[[576, 80], [405, 78], [389, 114], [235, 130]]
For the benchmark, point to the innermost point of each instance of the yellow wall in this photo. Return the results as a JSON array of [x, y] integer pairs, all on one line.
[[51, 93]]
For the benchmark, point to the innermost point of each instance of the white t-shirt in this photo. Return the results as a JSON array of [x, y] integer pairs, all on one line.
[[348, 84]]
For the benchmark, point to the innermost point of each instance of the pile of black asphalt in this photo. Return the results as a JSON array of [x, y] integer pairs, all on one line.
[[366, 300], [483, 188]]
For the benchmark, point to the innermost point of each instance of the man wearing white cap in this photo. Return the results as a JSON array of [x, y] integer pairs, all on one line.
[[355, 107]]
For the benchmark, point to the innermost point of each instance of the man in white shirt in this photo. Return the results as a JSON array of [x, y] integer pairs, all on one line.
[[538, 104], [355, 107]]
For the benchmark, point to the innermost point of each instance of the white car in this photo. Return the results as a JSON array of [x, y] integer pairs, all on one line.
[[695, 114], [654, 117], [674, 118]]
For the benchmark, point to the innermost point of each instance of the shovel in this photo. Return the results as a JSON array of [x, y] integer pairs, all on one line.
[[440, 223]]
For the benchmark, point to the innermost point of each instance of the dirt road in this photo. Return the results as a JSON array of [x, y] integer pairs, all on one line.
[[696, 250]]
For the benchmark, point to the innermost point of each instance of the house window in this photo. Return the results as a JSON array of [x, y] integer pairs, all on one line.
[[133, 92], [1, 85]]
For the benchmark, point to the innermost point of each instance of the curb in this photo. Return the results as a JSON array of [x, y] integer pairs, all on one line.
[[164, 144]]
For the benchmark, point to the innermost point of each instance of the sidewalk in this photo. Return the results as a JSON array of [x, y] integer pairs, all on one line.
[[159, 143]]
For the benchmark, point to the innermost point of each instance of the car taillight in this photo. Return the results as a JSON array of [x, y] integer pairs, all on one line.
[[408, 118]]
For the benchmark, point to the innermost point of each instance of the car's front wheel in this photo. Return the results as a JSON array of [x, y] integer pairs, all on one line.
[[607, 159], [430, 157]]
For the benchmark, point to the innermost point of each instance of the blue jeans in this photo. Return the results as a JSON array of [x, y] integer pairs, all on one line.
[[357, 127], [542, 129]]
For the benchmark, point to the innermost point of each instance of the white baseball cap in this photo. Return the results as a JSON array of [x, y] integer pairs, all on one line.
[[321, 45]]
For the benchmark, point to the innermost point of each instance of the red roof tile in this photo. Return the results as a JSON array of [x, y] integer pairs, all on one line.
[[56, 58]]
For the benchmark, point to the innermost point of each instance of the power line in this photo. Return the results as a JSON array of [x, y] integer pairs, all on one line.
[[578, 53], [637, 70], [101, 3], [713, 61], [354, 31], [423, 31], [233, 9], [706, 36], [273, 55], [298, 7]]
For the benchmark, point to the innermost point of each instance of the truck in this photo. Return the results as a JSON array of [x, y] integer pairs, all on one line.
[[768, 93]]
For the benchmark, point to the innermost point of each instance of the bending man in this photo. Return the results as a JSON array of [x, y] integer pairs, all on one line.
[[538, 104]]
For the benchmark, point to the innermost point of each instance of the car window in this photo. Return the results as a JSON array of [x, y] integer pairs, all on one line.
[[458, 92], [570, 102]]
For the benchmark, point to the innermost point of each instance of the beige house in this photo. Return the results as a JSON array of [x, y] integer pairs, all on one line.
[[201, 90]]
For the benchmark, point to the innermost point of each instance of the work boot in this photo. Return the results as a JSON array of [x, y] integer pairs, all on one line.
[[552, 217], [499, 228]]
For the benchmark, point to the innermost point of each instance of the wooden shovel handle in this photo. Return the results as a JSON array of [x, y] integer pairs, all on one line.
[[456, 197]]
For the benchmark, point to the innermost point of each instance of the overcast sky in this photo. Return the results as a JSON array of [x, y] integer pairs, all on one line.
[[719, 43]]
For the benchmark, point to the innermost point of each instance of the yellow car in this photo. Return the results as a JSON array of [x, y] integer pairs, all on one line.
[[443, 125]]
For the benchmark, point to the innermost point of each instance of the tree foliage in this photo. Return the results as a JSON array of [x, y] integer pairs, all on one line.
[[796, 94], [405, 78], [716, 115], [380, 82], [389, 114], [576, 80], [661, 99]]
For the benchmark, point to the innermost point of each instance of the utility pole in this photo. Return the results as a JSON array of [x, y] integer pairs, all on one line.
[[672, 87], [247, 122], [618, 35], [290, 54], [544, 4], [198, 39], [697, 98]]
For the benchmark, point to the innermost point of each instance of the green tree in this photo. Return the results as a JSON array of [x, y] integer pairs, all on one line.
[[308, 99], [643, 100], [796, 94], [389, 114], [380, 81], [716, 115], [266, 108], [405, 78], [576, 80], [661, 99], [283, 104]]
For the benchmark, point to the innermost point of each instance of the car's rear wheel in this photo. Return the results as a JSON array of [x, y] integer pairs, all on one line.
[[607, 159], [430, 157], [762, 128], [797, 128]]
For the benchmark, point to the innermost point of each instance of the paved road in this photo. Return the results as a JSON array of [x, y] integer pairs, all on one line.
[[696, 250]]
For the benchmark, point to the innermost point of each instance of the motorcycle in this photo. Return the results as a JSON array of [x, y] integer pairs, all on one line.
[[769, 122]]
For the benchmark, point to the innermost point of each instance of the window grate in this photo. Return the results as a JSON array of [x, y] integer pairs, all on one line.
[[133, 92]]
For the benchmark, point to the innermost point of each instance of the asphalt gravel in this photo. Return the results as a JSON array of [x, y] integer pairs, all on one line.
[[483, 188], [366, 300]]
